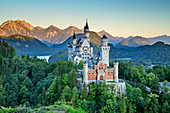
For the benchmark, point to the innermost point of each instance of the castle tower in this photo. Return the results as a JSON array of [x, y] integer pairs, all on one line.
[[85, 72], [70, 51], [116, 78], [104, 50], [74, 39], [86, 30], [74, 42]]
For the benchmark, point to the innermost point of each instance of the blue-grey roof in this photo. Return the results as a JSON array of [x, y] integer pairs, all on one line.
[[104, 37]]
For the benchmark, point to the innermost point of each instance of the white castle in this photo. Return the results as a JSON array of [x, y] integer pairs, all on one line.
[[94, 68]]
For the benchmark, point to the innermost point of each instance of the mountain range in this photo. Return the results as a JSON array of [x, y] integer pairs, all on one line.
[[27, 45], [147, 55], [54, 35], [134, 42], [32, 46], [51, 34]]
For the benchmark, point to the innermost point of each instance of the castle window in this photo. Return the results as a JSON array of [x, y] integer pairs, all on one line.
[[89, 73], [92, 73], [92, 77], [108, 72], [111, 72]]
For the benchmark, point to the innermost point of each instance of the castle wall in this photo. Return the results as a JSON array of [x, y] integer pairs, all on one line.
[[91, 75]]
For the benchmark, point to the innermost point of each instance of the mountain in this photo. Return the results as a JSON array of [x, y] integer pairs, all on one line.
[[51, 34], [71, 29], [163, 38], [95, 40], [113, 40], [27, 45], [134, 42], [156, 54]]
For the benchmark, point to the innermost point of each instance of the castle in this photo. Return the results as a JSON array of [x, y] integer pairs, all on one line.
[[93, 68]]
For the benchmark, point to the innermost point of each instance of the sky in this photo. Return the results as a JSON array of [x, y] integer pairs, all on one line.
[[147, 18]]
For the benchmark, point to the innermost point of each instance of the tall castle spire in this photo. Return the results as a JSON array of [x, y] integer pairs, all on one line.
[[74, 36], [86, 29]]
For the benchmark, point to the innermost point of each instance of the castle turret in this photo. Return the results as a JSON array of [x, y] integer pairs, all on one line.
[[74, 39], [70, 51], [116, 78], [104, 50], [85, 72], [86, 30]]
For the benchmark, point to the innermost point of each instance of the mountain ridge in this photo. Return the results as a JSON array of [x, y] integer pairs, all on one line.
[[55, 35]]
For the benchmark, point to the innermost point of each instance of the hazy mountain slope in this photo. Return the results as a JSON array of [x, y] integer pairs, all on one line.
[[163, 38], [156, 54], [95, 39], [113, 40], [27, 45], [71, 29], [134, 42]]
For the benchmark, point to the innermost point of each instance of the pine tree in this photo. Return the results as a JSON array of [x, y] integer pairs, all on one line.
[[74, 95], [165, 108], [151, 104], [123, 104], [130, 108], [66, 94], [84, 92]]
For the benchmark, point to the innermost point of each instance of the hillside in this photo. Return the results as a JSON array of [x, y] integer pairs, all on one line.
[[51, 34], [163, 38], [27, 45], [95, 39], [133, 42], [157, 54], [113, 40]]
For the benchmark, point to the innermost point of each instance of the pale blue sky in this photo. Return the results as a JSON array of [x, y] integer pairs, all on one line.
[[118, 17]]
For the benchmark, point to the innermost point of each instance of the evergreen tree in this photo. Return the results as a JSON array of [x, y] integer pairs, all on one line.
[[130, 108], [66, 94], [151, 104], [72, 79], [165, 108], [92, 91], [84, 92], [74, 95], [123, 104], [24, 94], [109, 108], [80, 65], [155, 85]]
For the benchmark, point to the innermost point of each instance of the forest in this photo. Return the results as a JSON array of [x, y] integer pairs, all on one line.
[[38, 86]]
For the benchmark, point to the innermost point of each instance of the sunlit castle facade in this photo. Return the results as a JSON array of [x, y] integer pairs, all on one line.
[[94, 68], [80, 49]]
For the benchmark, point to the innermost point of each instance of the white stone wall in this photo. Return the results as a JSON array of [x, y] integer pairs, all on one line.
[[104, 54], [77, 59], [85, 72], [120, 87], [116, 78], [70, 52]]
